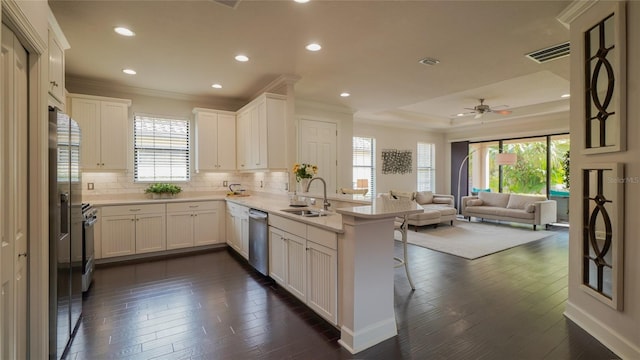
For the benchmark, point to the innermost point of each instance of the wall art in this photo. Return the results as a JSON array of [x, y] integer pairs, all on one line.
[[604, 84], [603, 232], [396, 161]]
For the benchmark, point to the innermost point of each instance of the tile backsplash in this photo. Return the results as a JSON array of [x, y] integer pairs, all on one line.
[[120, 184]]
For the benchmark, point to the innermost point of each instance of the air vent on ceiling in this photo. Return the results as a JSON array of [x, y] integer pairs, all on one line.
[[230, 3], [550, 53]]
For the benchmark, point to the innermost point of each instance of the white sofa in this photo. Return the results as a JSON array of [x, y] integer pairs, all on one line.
[[438, 208], [528, 209]]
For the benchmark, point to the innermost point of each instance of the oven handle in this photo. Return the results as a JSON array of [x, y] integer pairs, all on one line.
[[90, 222]]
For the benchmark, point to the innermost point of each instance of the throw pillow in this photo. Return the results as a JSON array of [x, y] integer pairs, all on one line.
[[531, 208], [424, 197], [401, 194], [494, 199], [475, 202], [441, 200]]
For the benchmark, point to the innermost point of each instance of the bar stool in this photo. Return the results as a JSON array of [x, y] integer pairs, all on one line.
[[401, 225]]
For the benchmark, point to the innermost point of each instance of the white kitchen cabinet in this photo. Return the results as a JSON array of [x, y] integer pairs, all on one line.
[[56, 67], [304, 260], [104, 123], [215, 140], [238, 228], [322, 273], [193, 224], [262, 133], [132, 229]]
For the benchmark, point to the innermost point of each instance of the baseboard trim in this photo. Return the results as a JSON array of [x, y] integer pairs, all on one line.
[[607, 336], [365, 338]]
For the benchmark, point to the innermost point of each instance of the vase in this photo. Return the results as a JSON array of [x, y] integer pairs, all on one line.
[[304, 182]]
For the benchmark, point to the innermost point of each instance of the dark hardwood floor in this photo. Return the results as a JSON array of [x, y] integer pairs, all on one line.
[[214, 306]]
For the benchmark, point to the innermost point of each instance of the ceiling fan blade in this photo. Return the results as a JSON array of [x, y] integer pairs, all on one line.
[[503, 112], [478, 116]]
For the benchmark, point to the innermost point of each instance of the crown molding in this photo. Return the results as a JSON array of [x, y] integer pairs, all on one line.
[[574, 10], [57, 31], [22, 27], [100, 85], [279, 82]]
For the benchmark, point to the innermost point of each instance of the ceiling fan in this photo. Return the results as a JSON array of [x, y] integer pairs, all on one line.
[[483, 108]]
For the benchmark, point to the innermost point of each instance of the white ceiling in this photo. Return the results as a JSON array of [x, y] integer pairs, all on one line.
[[370, 49]]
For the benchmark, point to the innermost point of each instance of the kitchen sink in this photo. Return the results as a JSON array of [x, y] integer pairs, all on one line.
[[307, 212]]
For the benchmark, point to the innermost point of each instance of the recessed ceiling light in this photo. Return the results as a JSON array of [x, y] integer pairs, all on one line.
[[429, 61], [129, 71], [345, 94], [461, 114], [124, 31], [242, 58], [216, 86], [565, 95], [313, 47], [301, 1]]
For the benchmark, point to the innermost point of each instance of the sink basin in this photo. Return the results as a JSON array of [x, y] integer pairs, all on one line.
[[306, 212]]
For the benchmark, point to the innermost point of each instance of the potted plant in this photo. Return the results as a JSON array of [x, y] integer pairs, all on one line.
[[162, 190]]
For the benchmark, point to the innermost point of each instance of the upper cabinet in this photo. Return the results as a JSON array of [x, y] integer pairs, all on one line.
[[215, 140], [104, 137], [57, 45], [261, 134]]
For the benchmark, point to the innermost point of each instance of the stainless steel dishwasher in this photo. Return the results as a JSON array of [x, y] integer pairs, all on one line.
[[259, 241]]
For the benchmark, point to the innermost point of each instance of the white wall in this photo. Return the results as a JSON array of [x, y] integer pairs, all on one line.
[[618, 330], [404, 139]]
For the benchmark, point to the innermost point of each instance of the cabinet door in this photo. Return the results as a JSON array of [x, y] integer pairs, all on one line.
[[179, 230], [243, 141], [114, 122], [226, 136], [261, 151], [277, 256], [87, 113], [150, 233], [244, 235], [230, 228], [56, 68], [118, 235], [206, 135], [206, 228], [296, 265], [322, 283]]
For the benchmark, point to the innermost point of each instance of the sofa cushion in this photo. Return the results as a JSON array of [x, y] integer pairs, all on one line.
[[494, 199], [521, 201], [514, 213], [474, 202], [402, 194], [441, 200], [482, 210], [530, 208], [424, 197]]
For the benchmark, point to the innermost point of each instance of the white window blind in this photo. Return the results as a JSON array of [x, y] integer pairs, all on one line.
[[161, 147], [426, 167], [364, 163]]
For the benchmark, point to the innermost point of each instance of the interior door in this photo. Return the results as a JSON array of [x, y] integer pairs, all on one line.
[[13, 198], [318, 145]]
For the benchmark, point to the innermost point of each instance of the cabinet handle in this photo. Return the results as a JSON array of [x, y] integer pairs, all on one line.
[[101, 164], [55, 84], [134, 209], [133, 219], [194, 206], [137, 219], [97, 164], [22, 254]]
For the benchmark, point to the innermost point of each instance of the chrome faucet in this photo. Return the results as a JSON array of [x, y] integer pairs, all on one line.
[[326, 203]]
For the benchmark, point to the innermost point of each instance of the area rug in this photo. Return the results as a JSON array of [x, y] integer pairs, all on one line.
[[472, 240]]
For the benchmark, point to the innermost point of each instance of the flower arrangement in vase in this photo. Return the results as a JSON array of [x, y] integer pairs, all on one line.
[[304, 172]]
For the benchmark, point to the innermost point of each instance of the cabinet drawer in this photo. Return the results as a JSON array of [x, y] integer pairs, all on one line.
[[133, 209], [290, 226], [323, 237], [193, 206]]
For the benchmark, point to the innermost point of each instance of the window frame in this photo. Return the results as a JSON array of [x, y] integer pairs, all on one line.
[[430, 168], [372, 167]]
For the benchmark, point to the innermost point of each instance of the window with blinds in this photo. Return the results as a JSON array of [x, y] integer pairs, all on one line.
[[161, 149], [364, 170], [426, 167]]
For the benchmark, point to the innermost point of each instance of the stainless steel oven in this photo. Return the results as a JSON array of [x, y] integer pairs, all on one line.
[[90, 217]]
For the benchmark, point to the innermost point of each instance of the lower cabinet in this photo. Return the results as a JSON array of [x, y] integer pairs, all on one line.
[[192, 224], [238, 228], [128, 230], [303, 259]]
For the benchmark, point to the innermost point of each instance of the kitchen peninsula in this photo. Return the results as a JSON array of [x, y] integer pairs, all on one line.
[[359, 236]]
